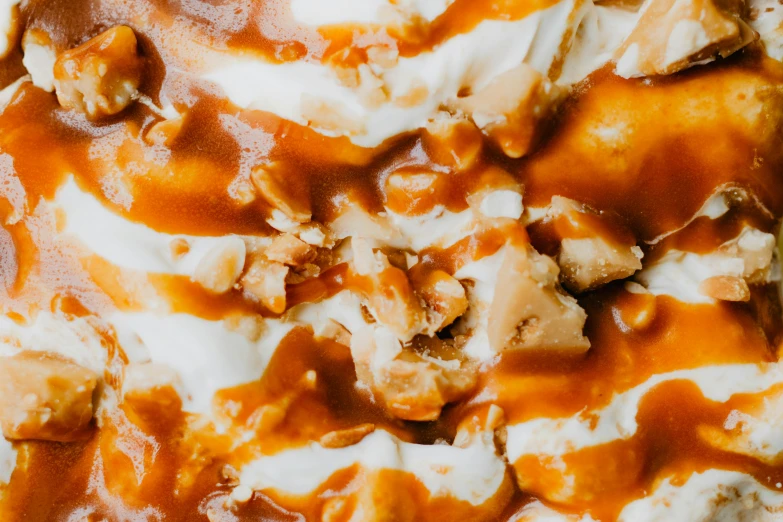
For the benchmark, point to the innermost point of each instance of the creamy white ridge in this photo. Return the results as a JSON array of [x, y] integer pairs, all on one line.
[[379, 12], [769, 24], [207, 355], [75, 338], [7, 460], [475, 474], [317, 12], [127, 244], [467, 60], [711, 496], [680, 274], [538, 512], [7, 8], [617, 421]]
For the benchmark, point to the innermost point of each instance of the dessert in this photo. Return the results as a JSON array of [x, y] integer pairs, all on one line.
[[374, 260]]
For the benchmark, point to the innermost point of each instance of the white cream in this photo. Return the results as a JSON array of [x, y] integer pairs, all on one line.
[[39, 61], [760, 432], [680, 274], [475, 474], [537, 512], [318, 12], [711, 496], [7, 25], [617, 421], [7, 460], [344, 307], [769, 24], [374, 12], [471, 60], [439, 227], [127, 244], [502, 204], [75, 338], [206, 354]]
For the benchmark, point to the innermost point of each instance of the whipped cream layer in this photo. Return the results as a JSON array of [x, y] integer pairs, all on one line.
[[361, 341]]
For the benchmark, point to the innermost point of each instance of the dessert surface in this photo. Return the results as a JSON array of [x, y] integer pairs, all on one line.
[[391, 260]]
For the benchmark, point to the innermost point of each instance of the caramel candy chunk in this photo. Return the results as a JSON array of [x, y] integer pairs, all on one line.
[[597, 257], [529, 310], [222, 265], [45, 396], [672, 35], [510, 109]]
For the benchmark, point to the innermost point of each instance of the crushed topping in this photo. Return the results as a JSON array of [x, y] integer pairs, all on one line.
[[102, 76], [396, 260]]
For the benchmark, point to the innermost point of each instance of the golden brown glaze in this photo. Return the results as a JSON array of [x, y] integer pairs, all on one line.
[[677, 141]]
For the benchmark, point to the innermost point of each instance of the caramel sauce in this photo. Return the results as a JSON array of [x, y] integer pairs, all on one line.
[[673, 141]]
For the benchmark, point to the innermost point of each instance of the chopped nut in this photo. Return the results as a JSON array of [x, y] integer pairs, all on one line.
[[289, 250], [591, 262], [251, 326], [412, 191], [416, 95], [348, 437], [756, 249], [329, 115], [164, 132], [498, 203], [316, 234], [331, 329], [222, 265], [334, 510], [265, 281], [452, 141], [275, 193], [229, 475], [390, 297], [510, 108], [45, 396], [443, 296], [179, 247], [268, 417], [413, 386], [595, 256], [241, 494], [529, 310], [382, 55], [725, 288], [496, 417], [672, 35], [372, 90], [102, 76]]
